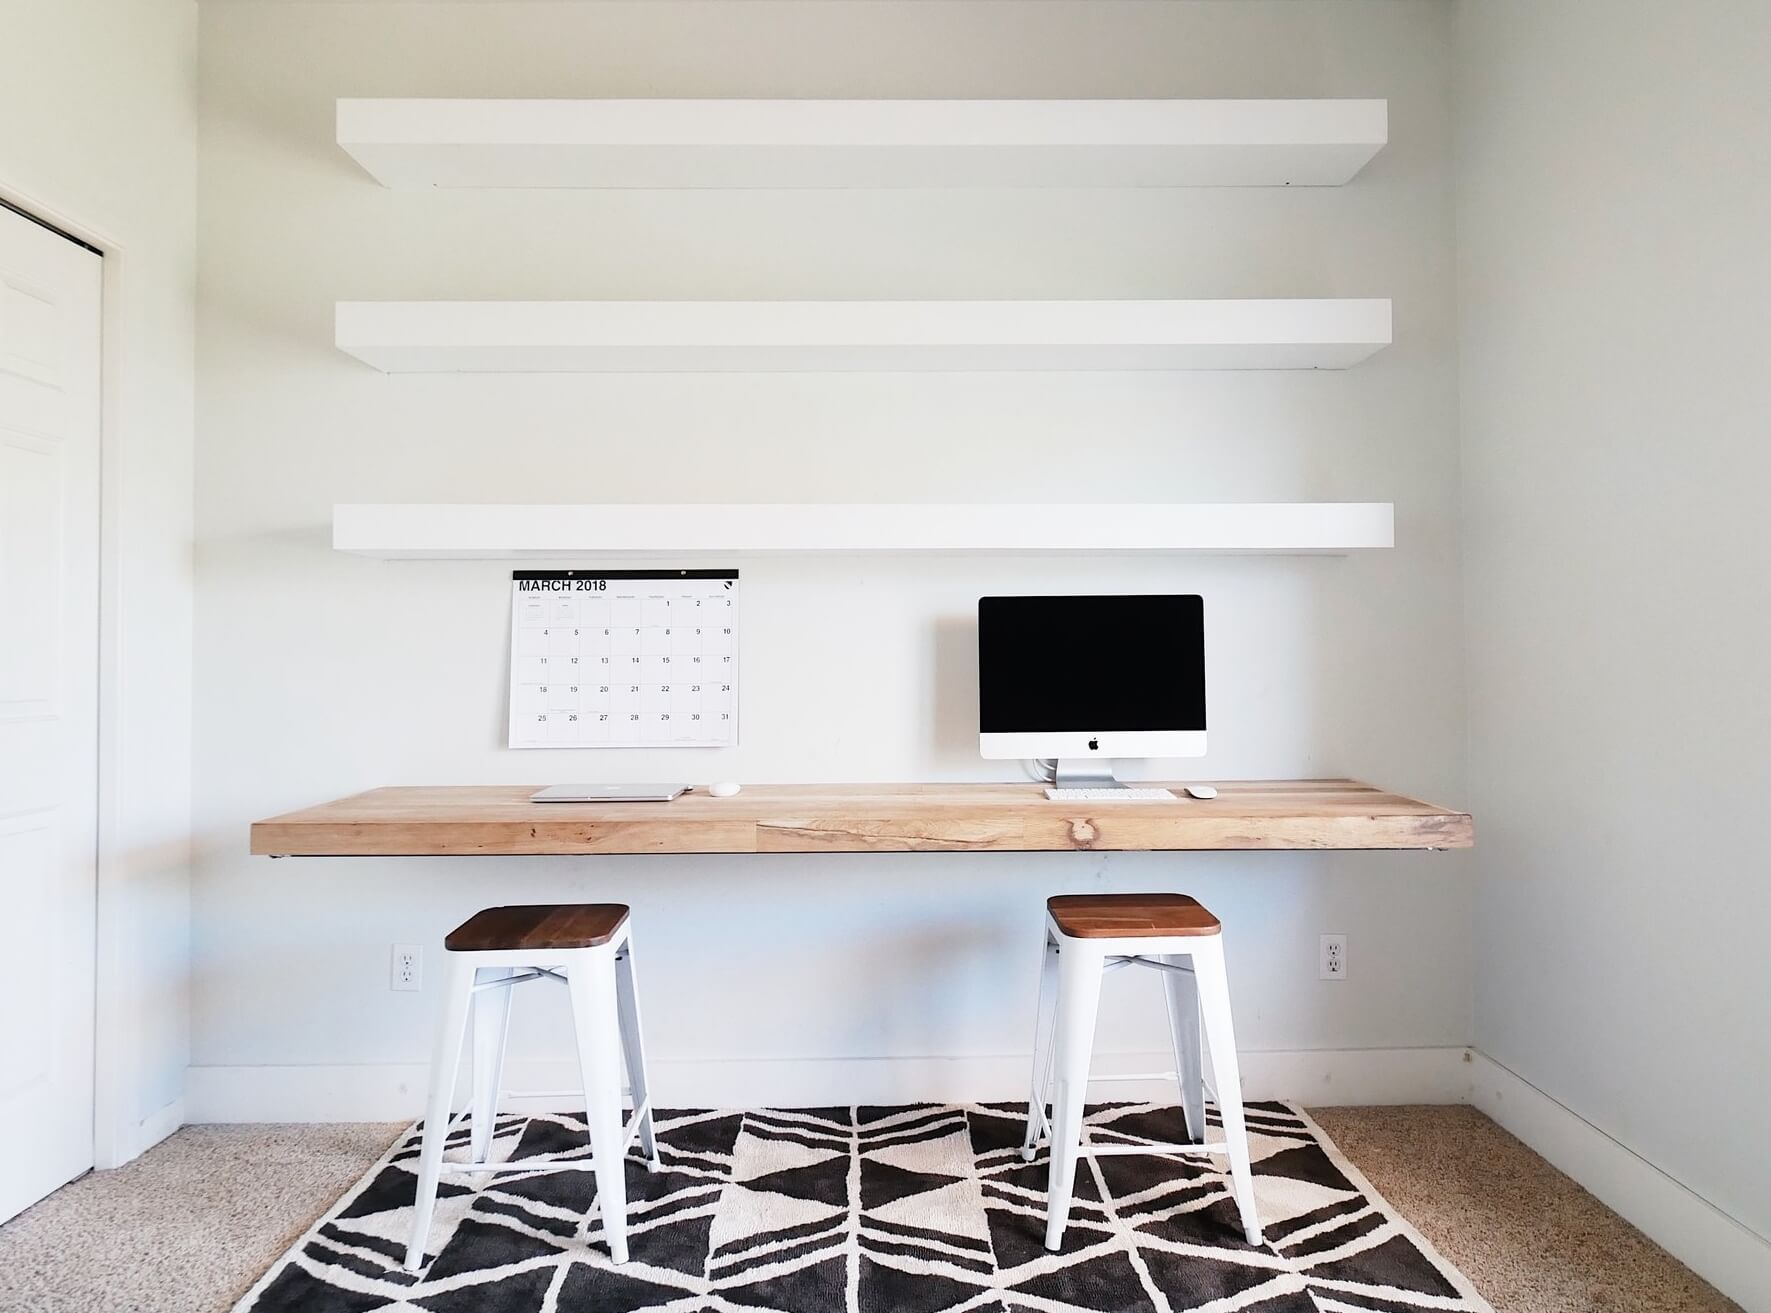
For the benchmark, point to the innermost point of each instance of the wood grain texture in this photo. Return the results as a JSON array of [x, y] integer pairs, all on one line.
[[499, 820], [537, 925], [1130, 916]]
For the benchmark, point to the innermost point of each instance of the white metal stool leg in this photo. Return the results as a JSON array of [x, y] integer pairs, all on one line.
[[1073, 1038], [1039, 1088], [491, 1025], [1214, 998], [1182, 991], [591, 975], [447, 1058], [633, 1045]]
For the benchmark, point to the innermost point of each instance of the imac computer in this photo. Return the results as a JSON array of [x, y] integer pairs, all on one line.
[[1088, 679]]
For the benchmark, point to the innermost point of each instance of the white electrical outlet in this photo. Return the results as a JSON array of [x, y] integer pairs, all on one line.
[[1331, 957], [407, 970]]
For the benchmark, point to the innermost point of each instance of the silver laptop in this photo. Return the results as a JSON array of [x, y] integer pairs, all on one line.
[[609, 793]]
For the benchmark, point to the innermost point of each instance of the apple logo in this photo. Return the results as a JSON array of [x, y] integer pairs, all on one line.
[[1094, 745]]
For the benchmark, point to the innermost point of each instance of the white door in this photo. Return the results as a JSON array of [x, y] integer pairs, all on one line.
[[49, 517]]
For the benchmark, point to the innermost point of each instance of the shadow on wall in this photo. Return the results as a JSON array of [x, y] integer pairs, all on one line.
[[954, 731]]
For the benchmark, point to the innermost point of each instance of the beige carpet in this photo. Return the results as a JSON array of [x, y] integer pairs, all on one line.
[[189, 1226], [1530, 1239]]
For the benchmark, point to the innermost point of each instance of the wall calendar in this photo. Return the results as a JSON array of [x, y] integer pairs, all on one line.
[[624, 659]]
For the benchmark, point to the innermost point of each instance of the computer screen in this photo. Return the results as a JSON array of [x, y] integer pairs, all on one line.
[[1091, 665]]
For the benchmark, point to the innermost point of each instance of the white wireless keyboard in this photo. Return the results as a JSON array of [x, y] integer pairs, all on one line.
[[1109, 795]]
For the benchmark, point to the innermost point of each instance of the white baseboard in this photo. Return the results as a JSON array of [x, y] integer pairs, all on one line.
[[1723, 1251], [1330, 1078], [156, 1126], [395, 1091], [132, 1140]]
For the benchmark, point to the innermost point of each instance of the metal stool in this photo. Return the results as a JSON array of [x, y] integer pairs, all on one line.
[[1087, 935], [588, 948]]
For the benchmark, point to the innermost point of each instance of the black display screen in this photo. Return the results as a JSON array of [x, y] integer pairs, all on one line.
[[1091, 663]]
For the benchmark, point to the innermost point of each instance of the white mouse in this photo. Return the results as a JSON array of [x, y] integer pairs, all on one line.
[[725, 790], [1204, 792]]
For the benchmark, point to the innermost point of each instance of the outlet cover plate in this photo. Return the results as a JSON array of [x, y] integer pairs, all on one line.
[[406, 967]]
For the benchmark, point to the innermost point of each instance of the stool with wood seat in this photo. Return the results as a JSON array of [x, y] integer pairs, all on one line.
[[588, 947], [1086, 936]]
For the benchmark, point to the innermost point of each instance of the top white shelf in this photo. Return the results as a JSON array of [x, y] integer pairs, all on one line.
[[427, 337], [862, 143]]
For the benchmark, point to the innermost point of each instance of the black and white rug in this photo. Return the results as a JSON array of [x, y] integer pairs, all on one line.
[[921, 1209]]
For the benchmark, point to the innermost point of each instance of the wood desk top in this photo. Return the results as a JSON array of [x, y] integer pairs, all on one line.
[[498, 820]]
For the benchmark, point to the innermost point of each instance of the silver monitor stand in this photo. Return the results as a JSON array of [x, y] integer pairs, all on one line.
[[1086, 773]]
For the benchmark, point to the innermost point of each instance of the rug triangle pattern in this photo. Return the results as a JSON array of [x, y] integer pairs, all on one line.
[[918, 1209]]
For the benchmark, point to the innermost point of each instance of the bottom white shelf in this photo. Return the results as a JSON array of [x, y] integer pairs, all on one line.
[[496, 532]]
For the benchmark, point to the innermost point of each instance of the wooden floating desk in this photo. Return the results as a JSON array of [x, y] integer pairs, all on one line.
[[499, 820]]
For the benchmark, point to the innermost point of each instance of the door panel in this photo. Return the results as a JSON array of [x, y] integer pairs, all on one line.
[[30, 498], [49, 524]]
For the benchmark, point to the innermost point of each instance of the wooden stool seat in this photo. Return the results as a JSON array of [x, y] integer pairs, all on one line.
[[1130, 916], [544, 926]]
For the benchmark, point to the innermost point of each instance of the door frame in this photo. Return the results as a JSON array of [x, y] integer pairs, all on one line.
[[117, 1135]]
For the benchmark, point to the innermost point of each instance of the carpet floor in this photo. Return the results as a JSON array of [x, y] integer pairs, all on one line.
[[189, 1226]]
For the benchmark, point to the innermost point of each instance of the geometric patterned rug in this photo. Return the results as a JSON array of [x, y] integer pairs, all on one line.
[[918, 1209]]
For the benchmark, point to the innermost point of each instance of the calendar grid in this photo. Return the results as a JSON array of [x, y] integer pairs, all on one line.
[[624, 659]]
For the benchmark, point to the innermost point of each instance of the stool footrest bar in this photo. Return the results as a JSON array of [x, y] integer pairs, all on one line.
[[1119, 1150], [1150, 962], [634, 1123], [534, 973], [572, 1165], [538, 1094]]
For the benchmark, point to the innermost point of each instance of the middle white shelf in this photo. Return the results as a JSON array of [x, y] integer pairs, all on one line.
[[543, 337], [687, 530]]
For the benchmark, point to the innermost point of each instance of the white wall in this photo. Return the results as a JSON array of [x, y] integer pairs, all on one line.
[[320, 674], [98, 131], [1616, 305]]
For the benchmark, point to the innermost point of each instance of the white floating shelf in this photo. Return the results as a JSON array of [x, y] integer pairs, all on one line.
[[675, 532], [550, 337], [862, 143]]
